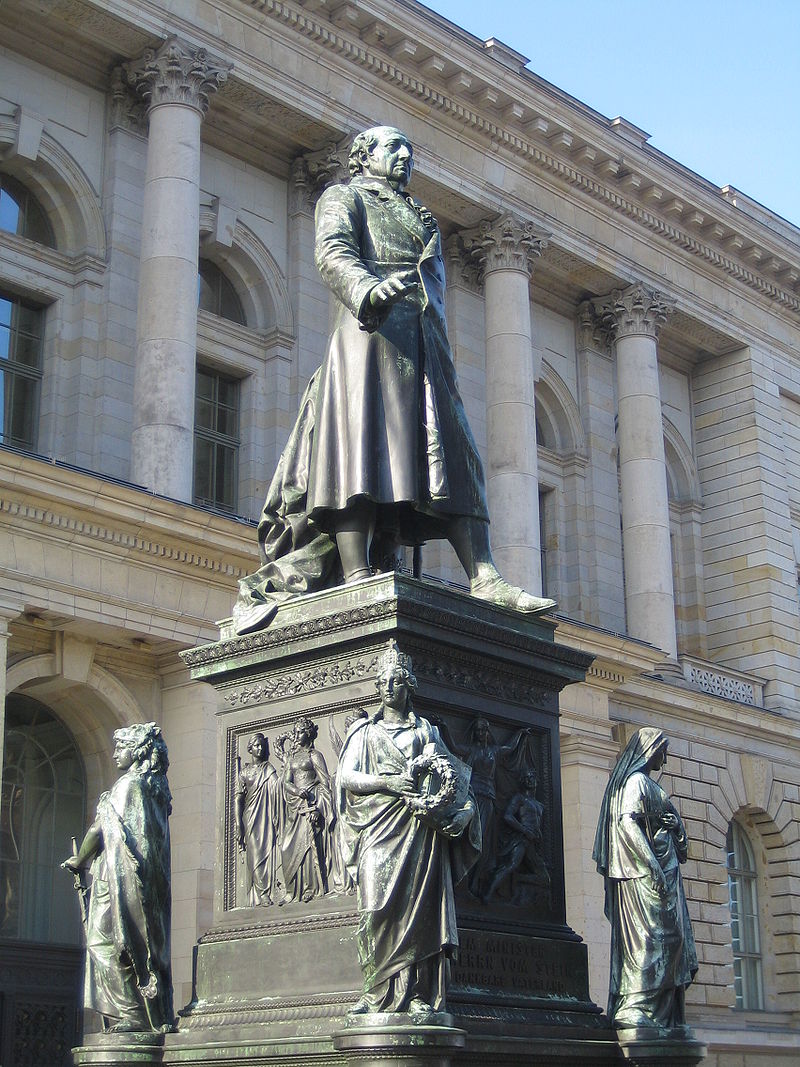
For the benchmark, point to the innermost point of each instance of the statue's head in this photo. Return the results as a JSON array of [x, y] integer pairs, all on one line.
[[480, 732], [258, 746], [383, 152], [395, 681], [304, 733], [141, 744], [529, 781]]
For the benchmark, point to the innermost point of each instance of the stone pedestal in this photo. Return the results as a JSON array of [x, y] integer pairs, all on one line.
[[110, 1050], [274, 984], [679, 1048], [384, 1040]]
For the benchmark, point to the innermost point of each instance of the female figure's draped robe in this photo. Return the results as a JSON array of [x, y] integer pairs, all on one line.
[[306, 850], [653, 955], [128, 927], [405, 869], [260, 785]]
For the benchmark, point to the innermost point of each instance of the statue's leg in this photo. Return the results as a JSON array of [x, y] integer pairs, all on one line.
[[470, 539], [354, 529]]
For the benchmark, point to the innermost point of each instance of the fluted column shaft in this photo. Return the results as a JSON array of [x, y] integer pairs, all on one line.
[[176, 81], [634, 317], [506, 250]]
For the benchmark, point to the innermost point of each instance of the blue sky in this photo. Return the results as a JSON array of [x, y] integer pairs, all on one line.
[[716, 84]]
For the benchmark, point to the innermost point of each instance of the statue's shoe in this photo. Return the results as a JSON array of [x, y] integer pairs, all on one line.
[[496, 590]]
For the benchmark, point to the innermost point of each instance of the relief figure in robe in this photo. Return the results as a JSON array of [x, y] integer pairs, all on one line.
[[258, 823]]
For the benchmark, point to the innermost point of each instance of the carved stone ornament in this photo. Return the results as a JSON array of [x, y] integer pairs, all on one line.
[[508, 243], [176, 73], [635, 310], [127, 111], [313, 172]]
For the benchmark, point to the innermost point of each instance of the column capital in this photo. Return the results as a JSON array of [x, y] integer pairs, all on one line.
[[507, 243], [313, 172], [635, 310], [176, 73]]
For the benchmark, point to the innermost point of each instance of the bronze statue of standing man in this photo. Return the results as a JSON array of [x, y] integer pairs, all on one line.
[[381, 447]]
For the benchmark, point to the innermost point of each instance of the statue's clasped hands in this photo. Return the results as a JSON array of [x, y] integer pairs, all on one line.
[[393, 288], [400, 785]]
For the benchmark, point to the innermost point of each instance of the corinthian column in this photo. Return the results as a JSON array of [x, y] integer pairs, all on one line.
[[506, 250], [633, 317], [175, 80]]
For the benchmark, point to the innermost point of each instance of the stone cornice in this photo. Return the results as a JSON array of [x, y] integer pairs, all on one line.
[[508, 243], [635, 310], [176, 73], [124, 520], [607, 160]]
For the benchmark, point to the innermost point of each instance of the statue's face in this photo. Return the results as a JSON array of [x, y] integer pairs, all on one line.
[[659, 758], [393, 689], [391, 158], [481, 732], [123, 754], [258, 749]]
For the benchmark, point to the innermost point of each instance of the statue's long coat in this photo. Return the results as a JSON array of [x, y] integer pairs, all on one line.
[[390, 422], [381, 419]]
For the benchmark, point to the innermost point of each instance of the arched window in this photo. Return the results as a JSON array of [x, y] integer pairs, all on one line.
[[43, 806], [20, 213], [743, 897], [216, 294]]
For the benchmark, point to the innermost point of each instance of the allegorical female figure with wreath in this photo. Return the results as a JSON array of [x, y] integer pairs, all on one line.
[[639, 847], [409, 832], [128, 974]]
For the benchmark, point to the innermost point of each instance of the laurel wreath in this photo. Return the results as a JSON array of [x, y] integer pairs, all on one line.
[[433, 763]]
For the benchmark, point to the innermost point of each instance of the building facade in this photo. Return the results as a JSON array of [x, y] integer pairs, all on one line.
[[626, 340]]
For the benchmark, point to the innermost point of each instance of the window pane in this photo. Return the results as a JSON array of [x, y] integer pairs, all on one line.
[[6, 310], [203, 470], [216, 294], [5, 342], [226, 478], [21, 402], [204, 414], [10, 214], [26, 350], [227, 421], [21, 213]]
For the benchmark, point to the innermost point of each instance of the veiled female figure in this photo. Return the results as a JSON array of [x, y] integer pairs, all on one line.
[[404, 862], [258, 818], [128, 975], [309, 819], [639, 846]]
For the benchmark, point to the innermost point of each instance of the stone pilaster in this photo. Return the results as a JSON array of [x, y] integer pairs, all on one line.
[[176, 81], [633, 317], [505, 251], [600, 540], [310, 174]]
